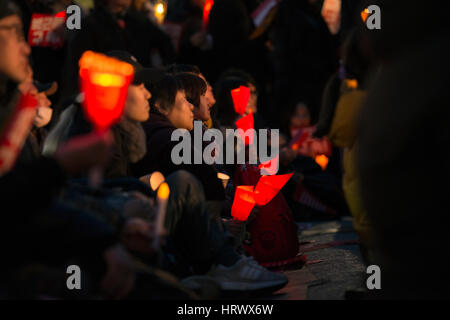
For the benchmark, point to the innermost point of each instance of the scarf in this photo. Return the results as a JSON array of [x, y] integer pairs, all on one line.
[[134, 140]]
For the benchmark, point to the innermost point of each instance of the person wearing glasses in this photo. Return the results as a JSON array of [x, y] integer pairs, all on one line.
[[35, 228]]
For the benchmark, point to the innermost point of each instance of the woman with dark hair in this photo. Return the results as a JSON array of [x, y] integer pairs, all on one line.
[[129, 136], [195, 90], [207, 101], [226, 114]]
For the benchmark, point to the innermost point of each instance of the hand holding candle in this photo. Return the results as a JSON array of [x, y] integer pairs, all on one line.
[[104, 82]]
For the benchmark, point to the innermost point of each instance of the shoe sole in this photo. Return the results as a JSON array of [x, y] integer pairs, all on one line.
[[242, 286], [255, 294]]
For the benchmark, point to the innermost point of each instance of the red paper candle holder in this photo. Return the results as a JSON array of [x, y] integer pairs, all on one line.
[[206, 10], [246, 123], [240, 97], [104, 82], [268, 187], [244, 201]]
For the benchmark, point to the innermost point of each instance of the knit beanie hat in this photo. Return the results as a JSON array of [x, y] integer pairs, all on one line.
[[8, 8]]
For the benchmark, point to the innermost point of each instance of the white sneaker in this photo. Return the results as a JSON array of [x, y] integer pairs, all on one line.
[[247, 275]]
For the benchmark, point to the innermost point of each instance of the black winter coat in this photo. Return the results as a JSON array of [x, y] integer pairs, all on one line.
[[158, 130]]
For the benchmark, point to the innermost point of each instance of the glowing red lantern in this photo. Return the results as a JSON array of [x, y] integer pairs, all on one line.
[[206, 10], [240, 97], [104, 82], [246, 123], [268, 187], [244, 201]]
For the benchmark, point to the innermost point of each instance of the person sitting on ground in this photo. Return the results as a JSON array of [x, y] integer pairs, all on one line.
[[43, 231], [204, 112], [129, 136], [171, 111], [252, 106]]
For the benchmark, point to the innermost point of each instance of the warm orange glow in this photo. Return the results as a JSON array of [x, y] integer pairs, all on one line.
[[322, 161], [156, 178], [244, 201], [107, 79], [206, 10], [160, 12], [364, 15], [352, 83], [104, 82], [159, 8], [163, 191], [223, 176], [268, 187], [97, 62]]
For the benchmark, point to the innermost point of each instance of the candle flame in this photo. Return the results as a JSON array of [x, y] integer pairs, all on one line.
[[159, 8], [223, 176], [107, 79], [322, 161], [156, 179], [163, 191], [365, 15]]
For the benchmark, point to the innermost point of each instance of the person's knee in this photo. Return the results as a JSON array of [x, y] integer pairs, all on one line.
[[184, 183]]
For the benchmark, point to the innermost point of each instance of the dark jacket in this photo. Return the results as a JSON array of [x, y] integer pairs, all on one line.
[[33, 226], [101, 32], [37, 180], [158, 130]]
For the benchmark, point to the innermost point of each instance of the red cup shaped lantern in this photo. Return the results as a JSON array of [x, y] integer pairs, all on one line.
[[104, 82], [244, 201], [268, 187], [240, 97], [206, 10], [246, 123]]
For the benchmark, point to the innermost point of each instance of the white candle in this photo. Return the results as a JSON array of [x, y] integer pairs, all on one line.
[[162, 197], [224, 177]]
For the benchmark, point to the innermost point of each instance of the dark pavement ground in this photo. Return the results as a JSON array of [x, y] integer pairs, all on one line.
[[330, 271]]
